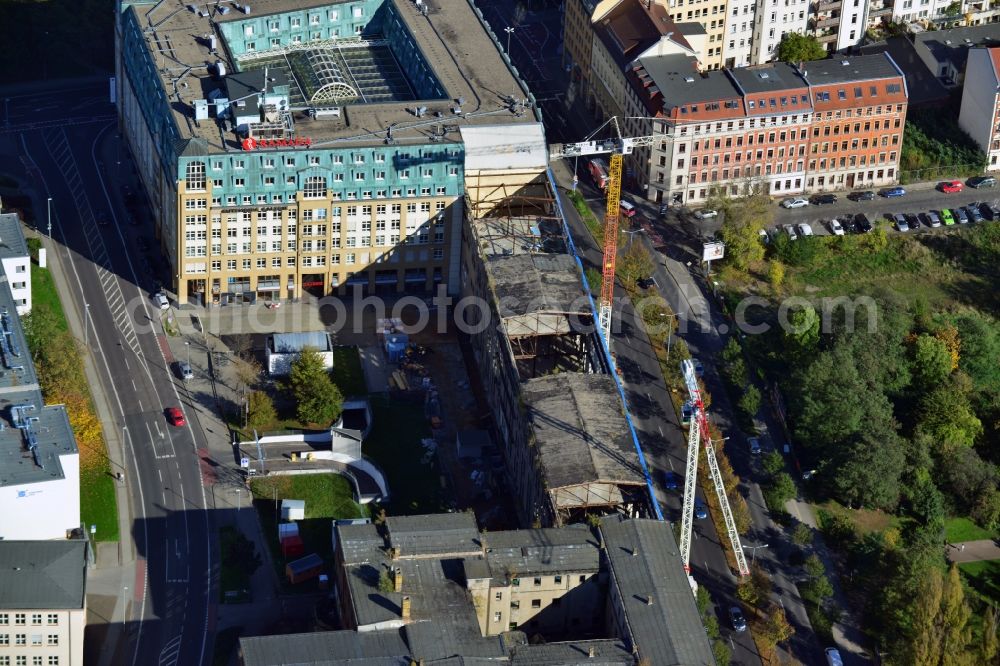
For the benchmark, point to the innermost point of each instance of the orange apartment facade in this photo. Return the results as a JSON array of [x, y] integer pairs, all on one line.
[[819, 126]]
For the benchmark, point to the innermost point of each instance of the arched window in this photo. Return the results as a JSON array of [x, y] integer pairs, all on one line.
[[315, 187], [195, 177]]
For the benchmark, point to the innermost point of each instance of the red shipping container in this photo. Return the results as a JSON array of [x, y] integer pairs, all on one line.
[[291, 546]]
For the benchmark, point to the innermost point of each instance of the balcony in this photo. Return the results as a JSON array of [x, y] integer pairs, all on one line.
[[829, 4], [827, 22], [827, 37], [877, 12]]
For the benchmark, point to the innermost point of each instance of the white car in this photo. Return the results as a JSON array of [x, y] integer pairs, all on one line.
[[161, 301], [835, 228], [706, 214], [805, 229], [794, 203], [790, 230]]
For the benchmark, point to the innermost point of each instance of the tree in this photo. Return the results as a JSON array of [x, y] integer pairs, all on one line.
[[749, 402], [802, 334], [773, 463], [869, 468], [782, 488], [817, 590], [954, 621], [814, 566], [775, 629], [319, 399], [794, 48], [831, 399], [980, 349], [635, 263], [741, 514], [925, 643], [947, 417], [755, 588], [260, 410], [776, 275], [949, 336], [932, 360], [802, 535], [988, 646]]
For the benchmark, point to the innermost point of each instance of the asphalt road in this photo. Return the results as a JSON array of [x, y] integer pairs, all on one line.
[[171, 602]]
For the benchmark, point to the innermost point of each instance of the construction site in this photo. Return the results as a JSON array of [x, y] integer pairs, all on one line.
[[569, 449]]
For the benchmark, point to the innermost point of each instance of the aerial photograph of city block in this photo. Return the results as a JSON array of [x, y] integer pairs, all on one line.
[[527, 332]]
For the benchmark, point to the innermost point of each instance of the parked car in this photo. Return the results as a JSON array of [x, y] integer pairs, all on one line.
[[699, 369], [863, 195], [913, 221], [862, 224], [973, 212], [670, 480], [982, 181], [754, 445], [805, 229], [737, 619], [797, 202], [946, 217], [645, 283], [931, 219], [161, 301], [821, 199], [790, 230], [960, 215], [835, 228], [175, 416], [891, 192], [900, 222], [700, 509], [184, 370], [951, 186], [833, 657], [990, 211], [705, 214], [764, 238]]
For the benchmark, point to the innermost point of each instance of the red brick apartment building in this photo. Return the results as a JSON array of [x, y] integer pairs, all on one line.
[[819, 126]]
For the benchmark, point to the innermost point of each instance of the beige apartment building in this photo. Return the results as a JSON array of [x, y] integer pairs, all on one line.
[[43, 610]]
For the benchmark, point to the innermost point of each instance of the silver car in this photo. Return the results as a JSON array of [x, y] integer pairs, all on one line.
[[805, 229], [184, 370]]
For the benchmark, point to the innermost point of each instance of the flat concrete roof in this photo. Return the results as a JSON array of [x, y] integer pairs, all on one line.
[[43, 575], [538, 294], [453, 40], [580, 431]]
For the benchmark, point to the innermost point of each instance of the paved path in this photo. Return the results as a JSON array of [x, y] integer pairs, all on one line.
[[973, 551]]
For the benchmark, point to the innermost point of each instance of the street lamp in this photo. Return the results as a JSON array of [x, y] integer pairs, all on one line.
[[50, 216], [753, 557], [670, 330], [510, 31], [631, 233], [188, 345]]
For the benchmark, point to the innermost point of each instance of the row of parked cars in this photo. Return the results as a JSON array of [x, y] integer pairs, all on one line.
[[861, 223]]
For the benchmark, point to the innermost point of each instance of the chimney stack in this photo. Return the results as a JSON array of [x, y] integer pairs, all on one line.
[[649, 599], [397, 580], [404, 607], [590, 652]]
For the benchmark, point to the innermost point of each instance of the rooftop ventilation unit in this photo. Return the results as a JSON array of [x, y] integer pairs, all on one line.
[[689, 79], [845, 63], [763, 75], [245, 9], [193, 8], [223, 10]]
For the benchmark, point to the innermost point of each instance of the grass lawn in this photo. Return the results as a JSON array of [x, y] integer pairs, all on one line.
[[592, 223], [984, 578], [865, 521], [347, 372], [327, 497], [97, 486], [394, 445], [961, 529]]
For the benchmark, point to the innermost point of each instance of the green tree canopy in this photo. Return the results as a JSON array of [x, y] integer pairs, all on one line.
[[980, 349], [947, 417], [743, 220], [319, 400], [260, 411], [931, 360], [794, 48], [869, 468]]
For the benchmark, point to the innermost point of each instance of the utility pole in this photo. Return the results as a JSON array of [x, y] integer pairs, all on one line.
[[50, 216], [86, 324]]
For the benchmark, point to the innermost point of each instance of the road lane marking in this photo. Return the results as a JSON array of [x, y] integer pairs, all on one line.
[[660, 429]]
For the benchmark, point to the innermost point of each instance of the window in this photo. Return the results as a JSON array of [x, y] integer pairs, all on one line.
[[20, 639], [536, 603], [4, 619], [315, 187], [4, 640], [195, 176], [538, 581], [53, 660], [583, 578], [496, 616], [20, 619], [516, 582], [557, 580]]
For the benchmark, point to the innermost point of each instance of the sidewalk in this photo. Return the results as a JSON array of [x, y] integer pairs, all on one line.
[[973, 551]]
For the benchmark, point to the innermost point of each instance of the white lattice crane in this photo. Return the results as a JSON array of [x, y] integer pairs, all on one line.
[[699, 431]]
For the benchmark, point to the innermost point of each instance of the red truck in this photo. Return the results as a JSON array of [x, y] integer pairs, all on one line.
[[599, 172]]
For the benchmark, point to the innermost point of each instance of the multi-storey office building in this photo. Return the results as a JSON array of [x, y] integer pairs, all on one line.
[[43, 608], [823, 125], [298, 146]]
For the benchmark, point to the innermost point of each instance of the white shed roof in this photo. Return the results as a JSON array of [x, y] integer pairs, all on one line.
[[520, 146]]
